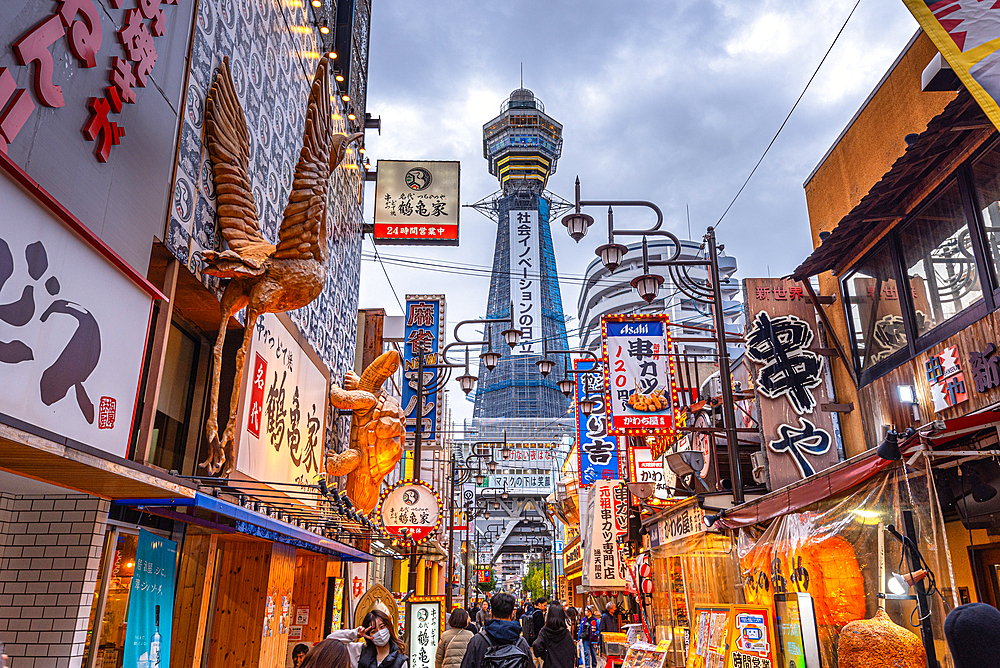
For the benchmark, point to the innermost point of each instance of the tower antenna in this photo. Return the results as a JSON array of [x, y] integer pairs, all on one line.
[[522, 75]]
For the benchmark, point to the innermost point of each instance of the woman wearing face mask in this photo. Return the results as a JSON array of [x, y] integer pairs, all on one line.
[[381, 648]]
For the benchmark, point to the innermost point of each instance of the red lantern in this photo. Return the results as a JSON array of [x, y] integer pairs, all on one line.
[[645, 570], [647, 586]]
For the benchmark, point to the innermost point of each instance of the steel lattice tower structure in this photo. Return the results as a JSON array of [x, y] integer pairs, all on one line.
[[523, 145]]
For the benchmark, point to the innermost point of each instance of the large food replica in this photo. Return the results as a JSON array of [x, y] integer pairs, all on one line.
[[376, 431], [264, 277], [879, 643]]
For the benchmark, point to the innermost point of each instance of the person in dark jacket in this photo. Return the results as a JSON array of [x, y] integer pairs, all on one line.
[[483, 614], [501, 630], [608, 624], [587, 633], [537, 618], [554, 645], [971, 629]]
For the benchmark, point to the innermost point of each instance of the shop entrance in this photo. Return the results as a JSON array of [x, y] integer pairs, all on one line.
[[987, 572]]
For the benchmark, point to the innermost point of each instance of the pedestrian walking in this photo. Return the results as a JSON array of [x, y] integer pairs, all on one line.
[[499, 644], [554, 645], [454, 641], [327, 654], [381, 647], [609, 624], [588, 633], [483, 614]]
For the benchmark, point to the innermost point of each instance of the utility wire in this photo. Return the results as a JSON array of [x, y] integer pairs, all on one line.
[[752, 171], [391, 286]]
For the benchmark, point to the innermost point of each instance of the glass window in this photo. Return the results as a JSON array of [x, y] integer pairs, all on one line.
[[939, 260], [876, 315], [986, 181], [110, 647], [173, 410]]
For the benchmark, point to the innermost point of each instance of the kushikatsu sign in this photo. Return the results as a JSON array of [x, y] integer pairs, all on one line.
[[638, 374], [410, 510]]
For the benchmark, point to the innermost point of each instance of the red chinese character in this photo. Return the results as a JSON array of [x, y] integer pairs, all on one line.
[[871, 291], [123, 79], [110, 132], [84, 35], [781, 292], [17, 112], [138, 44], [34, 48], [106, 413], [151, 10], [795, 292], [889, 291], [763, 292]]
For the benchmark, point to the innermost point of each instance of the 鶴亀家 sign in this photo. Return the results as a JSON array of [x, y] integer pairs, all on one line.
[[638, 373], [410, 510], [416, 203]]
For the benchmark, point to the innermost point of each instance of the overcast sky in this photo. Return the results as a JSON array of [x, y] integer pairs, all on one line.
[[667, 101]]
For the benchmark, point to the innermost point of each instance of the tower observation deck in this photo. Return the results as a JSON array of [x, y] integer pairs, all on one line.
[[522, 147]]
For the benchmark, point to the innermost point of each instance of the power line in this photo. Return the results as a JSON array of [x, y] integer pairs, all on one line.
[[391, 286], [752, 171]]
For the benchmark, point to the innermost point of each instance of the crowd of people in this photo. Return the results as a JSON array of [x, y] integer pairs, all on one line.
[[499, 633]]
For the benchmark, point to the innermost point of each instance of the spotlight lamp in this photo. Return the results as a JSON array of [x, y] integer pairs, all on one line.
[[888, 449], [611, 255], [324, 28], [577, 225], [566, 386], [545, 366]]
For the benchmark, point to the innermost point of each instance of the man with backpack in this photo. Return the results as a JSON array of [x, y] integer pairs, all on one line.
[[499, 644]]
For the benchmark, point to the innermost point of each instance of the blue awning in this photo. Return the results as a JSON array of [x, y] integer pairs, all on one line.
[[252, 523]]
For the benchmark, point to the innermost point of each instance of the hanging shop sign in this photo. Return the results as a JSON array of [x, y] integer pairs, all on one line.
[[524, 455], [683, 521], [426, 626], [357, 585], [72, 328], [526, 279], [790, 380], [609, 519], [410, 510], [946, 380], [484, 575], [598, 450], [283, 410], [646, 468], [638, 375], [151, 602], [417, 203], [966, 35], [424, 330], [527, 483], [573, 556]]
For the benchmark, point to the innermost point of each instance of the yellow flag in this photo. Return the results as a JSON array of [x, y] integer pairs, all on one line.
[[967, 33]]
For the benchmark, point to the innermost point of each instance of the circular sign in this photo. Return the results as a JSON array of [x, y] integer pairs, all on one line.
[[418, 178], [410, 510]]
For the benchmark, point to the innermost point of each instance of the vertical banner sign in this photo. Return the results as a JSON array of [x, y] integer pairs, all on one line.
[[357, 575], [526, 280], [598, 450], [946, 380], [967, 33], [638, 372], [416, 203], [604, 558], [788, 379], [151, 603], [425, 318], [425, 632], [283, 407]]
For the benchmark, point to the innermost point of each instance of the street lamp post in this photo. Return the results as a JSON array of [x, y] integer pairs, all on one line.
[[648, 286]]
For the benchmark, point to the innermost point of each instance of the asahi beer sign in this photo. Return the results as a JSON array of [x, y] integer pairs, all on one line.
[[598, 450], [72, 329], [284, 407], [608, 501], [790, 380], [416, 203], [526, 280], [410, 510]]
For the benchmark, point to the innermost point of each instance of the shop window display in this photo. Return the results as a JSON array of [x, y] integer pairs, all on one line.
[[109, 649]]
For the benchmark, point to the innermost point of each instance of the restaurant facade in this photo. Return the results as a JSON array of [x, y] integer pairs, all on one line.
[[116, 546]]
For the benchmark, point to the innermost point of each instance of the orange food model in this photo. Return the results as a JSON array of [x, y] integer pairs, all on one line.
[[876, 642]]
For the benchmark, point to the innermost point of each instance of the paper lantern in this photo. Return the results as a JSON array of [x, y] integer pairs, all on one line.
[[647, 586], [879, 642], [645, 570]]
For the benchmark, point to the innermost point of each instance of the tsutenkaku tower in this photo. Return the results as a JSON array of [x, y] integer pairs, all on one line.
[[522, 146]]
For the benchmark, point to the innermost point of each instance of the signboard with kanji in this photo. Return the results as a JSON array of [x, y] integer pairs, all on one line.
[[283, 409], [646, 468], [72, 329], [598, 450], [424, 330], [426, 615], [609, 519], [946, 379], [411, 510], [790, 380], [526, 280], [638, 374], [416, 203]]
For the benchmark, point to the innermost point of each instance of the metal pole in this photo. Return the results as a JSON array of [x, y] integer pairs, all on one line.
[[448, 595], [411, 583], [468, 551], [923, 602], [728, 413]]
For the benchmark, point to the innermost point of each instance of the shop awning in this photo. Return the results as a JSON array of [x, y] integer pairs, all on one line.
[[225, 517], [854, 471]]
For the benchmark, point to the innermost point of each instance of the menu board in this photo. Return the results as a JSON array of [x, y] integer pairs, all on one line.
[[710, 631], [645, 655], [732, 636]]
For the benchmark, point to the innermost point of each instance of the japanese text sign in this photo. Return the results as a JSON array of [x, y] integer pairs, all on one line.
[[283, 407], [604, 558], [151, 602], [424, 331], [416, 203], [946, 380], [522, 483], [425, 631], [526, 280], [72, 329], [789, 380], [638, 372], [646, 468], [411, 510], [985, 366], [525, 455], [598, 450], [966, 33]]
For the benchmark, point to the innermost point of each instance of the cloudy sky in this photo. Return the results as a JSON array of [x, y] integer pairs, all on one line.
[[671, 101]]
